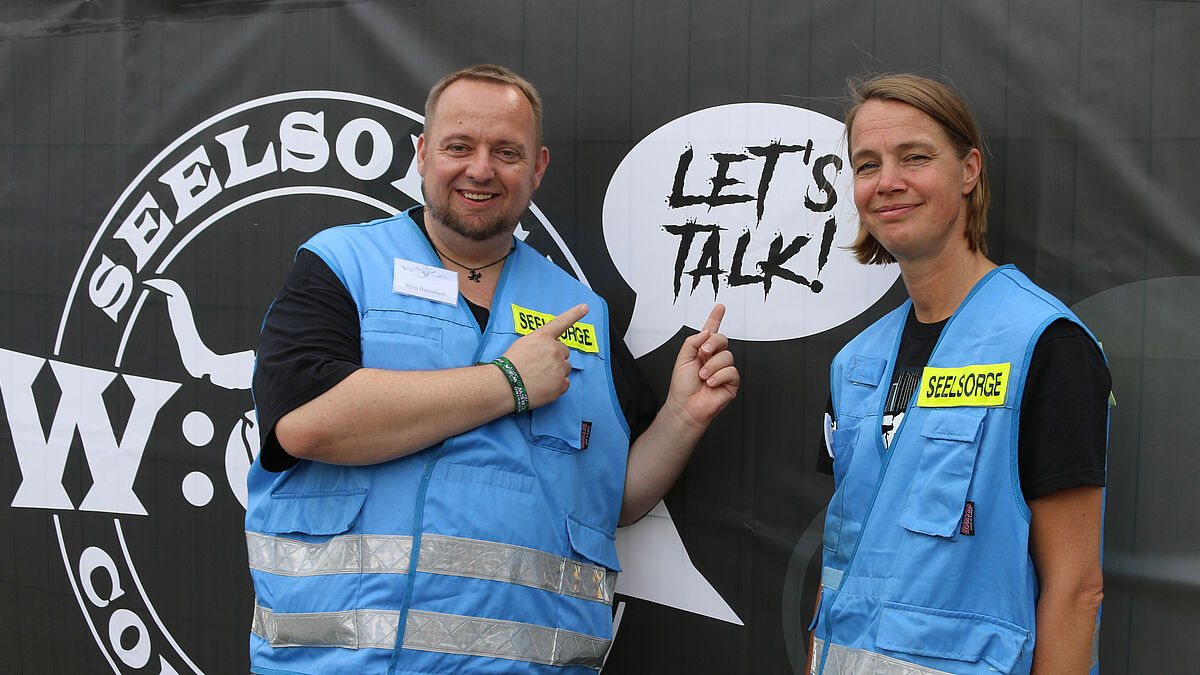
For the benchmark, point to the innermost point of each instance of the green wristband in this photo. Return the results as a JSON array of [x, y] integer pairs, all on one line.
[[520, 395]]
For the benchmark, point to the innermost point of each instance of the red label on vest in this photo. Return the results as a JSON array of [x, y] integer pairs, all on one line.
[[585, 432]]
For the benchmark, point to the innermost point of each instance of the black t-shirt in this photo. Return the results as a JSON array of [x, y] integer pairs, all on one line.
[[310, 341], [1063, 428]]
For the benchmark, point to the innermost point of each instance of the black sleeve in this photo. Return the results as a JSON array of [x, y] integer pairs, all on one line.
[[1064, 413], [634, 392], [309, 342]]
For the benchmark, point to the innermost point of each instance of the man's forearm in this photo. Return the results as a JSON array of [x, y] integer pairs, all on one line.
[[376, 415]]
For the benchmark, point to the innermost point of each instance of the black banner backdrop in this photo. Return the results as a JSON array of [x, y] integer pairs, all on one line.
[[160, 162]]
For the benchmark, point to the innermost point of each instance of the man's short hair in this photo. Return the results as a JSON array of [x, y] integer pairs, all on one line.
[[488, 72], [946, 108]]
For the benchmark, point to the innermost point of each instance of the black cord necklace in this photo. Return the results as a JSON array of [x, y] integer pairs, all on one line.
[[474, 275]]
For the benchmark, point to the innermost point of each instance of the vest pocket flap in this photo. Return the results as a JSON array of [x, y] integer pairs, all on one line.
[[955, 424], [939, 488], [865, 370], [592, 543], [321, 513], [945, 634]]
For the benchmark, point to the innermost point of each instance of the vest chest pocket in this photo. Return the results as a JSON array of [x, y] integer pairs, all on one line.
[[558, 425], [950, 439], [858, 392], [842, 442], [400, 341]]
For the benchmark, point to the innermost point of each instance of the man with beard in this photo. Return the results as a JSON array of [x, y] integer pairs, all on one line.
[[445, 442]]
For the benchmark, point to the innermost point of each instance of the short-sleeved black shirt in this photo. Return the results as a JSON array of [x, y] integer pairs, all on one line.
[[310, 341], [1063, 430]]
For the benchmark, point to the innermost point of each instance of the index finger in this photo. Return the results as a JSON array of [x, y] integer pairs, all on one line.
[[713, 323], [559, 324]]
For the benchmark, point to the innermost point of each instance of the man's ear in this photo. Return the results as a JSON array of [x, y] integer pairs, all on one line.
[[539, 166], [421, 154]]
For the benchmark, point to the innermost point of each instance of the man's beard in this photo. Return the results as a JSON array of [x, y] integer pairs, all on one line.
[[481, 232]]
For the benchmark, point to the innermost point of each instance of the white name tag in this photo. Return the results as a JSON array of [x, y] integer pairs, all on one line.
[[424, 281]]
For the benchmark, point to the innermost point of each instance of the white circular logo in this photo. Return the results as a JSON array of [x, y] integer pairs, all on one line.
[[146, 456]]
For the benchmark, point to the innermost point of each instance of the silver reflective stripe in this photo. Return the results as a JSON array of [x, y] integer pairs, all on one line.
[[430, 631], [1095, 646], [347, 554], [848, 661], [350, 629], [516, 565], [456, 556]]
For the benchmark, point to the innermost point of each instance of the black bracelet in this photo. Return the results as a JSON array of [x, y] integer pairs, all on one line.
[[520, 395]]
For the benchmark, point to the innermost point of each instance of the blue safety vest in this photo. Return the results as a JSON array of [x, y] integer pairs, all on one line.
[[490, 552], [926, 551]]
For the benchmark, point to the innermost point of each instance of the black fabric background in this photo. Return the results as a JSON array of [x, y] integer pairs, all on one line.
[[1088, 108]]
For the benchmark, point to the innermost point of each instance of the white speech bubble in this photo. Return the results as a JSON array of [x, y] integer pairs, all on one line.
[[755, 198]]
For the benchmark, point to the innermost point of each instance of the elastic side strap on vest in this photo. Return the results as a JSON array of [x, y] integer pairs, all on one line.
[[431, 632], [455, 556], [849, 661]]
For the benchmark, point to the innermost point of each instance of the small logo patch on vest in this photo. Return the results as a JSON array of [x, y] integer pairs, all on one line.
[[965, 386], [581, 336], [968, 520], [585, 434]]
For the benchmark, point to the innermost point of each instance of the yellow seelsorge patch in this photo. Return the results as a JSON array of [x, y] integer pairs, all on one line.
[[985, 385], [581, 336]]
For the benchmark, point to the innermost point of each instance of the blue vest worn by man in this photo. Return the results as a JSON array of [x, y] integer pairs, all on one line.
[[491, 552], [926, 560]]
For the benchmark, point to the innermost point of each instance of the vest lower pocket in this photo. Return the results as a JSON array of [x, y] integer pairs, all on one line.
[[303, 559], [593, 543], [951, 635], [313, 513]]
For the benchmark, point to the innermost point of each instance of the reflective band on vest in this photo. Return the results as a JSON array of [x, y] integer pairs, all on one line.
[[849, 661], [351, 629], [433, 632], [347, 554], [430, 631], [455, 556]]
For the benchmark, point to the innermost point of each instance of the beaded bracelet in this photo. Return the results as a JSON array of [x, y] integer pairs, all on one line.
[[520, 395]]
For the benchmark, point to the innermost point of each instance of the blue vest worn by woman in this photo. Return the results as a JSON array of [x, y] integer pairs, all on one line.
[[926, 559], [491, 552]]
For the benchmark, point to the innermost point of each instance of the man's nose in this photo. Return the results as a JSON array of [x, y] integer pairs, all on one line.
[[480, 168]]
